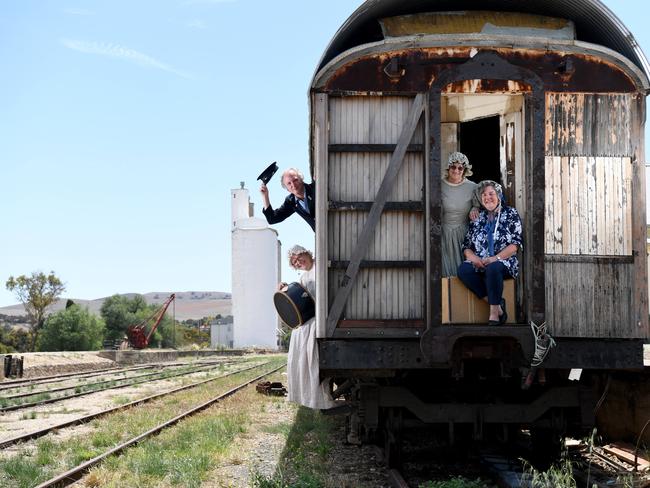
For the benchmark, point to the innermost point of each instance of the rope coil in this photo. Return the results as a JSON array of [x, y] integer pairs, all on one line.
[[543, 343]]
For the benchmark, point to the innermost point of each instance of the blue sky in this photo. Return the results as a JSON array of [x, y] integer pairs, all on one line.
[[126, 124]]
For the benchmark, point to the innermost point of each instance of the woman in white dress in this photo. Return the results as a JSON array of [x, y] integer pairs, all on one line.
[[303, 380], [459, 205]]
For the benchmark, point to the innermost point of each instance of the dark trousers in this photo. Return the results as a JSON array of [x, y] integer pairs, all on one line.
[[486, 282]]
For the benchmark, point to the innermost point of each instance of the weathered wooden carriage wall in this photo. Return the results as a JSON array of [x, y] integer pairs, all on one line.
[[592, 207], [389, 289], [594, 254]]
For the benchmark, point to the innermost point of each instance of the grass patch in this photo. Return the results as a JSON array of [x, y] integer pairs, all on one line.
[[20, 472], [181, 457], [121, 399], [37, 397], [559, 475], [45, 452], [283, 428]]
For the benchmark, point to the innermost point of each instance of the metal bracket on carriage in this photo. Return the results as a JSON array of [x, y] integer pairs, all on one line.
[[271, 388]]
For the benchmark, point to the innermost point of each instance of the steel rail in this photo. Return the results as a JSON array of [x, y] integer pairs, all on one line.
[[87, 418], [614, 464], [76, 473], [11, 384], [86, 385], [75, 395]]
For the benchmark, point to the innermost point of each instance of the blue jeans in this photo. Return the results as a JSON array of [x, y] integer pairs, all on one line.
[[486, 282]]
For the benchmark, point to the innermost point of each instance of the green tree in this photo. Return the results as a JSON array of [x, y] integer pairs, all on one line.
[[36, 292], [14, 340], [72, 329], [119, 312], [193, 336]]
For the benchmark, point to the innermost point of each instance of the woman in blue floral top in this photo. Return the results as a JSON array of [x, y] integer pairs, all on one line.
[[490, 249]]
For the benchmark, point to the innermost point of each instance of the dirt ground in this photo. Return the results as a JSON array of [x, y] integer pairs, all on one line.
[[262, 450]]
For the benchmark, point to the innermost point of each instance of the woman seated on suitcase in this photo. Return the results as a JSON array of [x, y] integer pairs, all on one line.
[[303, 379], [490, 250]]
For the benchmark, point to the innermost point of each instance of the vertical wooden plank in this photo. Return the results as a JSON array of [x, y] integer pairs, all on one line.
[[576, 217], [550, 224], [566, 206], [590, 203], [617, 206], [638, 216], [558, 217], [320, 141], [583, 212], [600, 191], [627, 192], [610, 205]]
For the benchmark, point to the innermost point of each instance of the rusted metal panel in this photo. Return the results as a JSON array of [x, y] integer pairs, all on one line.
[[419, 68], [588, 124], [588, 206], [587, 297]]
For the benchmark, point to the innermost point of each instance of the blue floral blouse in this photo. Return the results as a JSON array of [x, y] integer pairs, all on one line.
[[505, 232]]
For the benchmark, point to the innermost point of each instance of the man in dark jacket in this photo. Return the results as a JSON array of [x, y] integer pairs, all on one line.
[[302, 199]]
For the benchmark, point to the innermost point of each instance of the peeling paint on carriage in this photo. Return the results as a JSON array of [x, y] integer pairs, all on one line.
[[416, 69], [488, 86]]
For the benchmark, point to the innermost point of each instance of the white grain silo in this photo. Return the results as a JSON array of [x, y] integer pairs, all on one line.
[[255, 275]]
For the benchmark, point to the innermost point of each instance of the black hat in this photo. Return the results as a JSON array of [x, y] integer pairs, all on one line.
[[268, 173]]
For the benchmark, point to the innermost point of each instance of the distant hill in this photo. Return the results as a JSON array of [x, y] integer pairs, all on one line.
[[188, 304]]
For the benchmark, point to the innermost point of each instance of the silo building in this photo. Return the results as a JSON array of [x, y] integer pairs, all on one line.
[[255, 274]]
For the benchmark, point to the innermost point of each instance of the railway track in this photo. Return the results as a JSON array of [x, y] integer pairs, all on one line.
[[10, 384], [588, 466], [42, 380], [110, 385], [98, 383], [87, 418], [76, 473]]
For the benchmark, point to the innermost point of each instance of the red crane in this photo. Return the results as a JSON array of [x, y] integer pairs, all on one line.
[[136, 333]]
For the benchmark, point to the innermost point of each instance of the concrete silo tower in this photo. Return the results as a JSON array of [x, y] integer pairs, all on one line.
[[255, 275]]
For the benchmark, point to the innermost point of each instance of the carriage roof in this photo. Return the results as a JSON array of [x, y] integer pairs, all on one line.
[[594, 22]]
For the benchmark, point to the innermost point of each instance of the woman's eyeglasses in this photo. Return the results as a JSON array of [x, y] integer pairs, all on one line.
[[457, 167]]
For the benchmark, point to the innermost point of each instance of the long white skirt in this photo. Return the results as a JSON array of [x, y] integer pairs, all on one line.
[[303, 381]]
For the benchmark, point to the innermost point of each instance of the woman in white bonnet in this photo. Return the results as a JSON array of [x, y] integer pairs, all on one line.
[[303, 380], [459, 205]]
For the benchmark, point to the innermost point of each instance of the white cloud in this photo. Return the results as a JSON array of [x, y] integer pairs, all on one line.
[[121, 52], [78, 11]]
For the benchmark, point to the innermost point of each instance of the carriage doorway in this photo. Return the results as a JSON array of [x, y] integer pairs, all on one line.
[[488, 128], [479, 141]]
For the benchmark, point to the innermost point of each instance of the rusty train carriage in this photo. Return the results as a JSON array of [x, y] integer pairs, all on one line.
[[560, 87]]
